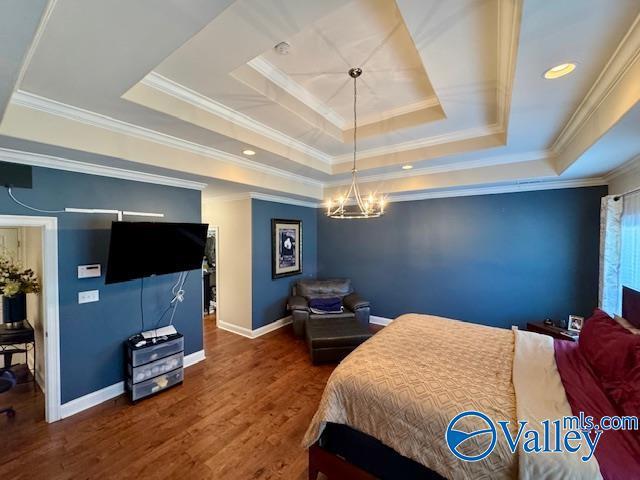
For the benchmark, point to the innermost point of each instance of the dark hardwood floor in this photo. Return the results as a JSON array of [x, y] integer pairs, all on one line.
[[240, 414]]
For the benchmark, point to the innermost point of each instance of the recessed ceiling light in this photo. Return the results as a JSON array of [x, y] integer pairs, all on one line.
[[282, 48], [559, 71], [407, 167], [249, 153]]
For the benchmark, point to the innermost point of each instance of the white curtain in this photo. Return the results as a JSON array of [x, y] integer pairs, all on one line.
[[610, 254], [630, 242]]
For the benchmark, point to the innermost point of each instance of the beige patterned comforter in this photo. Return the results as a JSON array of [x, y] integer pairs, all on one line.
[[405, 384]]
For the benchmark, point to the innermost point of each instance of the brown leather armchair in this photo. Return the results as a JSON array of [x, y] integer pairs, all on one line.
[[354, 305]]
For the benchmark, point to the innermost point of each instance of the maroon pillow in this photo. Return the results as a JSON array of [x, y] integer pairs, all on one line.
[[613, 352], [631, 306]]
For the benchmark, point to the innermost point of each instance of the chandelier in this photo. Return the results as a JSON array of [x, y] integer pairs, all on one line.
[[353, 204]]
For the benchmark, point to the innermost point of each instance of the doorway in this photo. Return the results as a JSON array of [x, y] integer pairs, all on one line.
[[211, 274], [33, 242], [10, 242]]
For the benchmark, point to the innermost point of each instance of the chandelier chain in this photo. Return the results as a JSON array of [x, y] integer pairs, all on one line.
[[355, 121]]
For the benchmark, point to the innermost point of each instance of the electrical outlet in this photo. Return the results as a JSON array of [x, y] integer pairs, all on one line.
[[89, 296]]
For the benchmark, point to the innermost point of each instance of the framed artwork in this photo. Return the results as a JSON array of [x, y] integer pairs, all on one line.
[[286, 247]]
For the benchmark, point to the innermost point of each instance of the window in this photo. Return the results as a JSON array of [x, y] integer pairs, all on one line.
[[630, 242]]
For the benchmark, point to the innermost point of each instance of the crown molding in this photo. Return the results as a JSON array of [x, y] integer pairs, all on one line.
[[452, 167], [293, 88], [422, 143], [280, 199], [509, 20], [624, 169], [51, 4], [522, 186], [396, 112], [60, 163], [53, 107], [509, 17], [265, 197], [185, 94], [625, 55], [176, 90]]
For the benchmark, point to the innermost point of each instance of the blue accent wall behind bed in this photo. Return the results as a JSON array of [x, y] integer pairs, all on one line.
[[499, 260], [92, 335]]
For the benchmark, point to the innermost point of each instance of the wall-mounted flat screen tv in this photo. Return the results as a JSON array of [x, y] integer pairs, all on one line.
[[143, 249]]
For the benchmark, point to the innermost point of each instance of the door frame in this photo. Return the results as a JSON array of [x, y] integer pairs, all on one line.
[[216, 231], [51, 310]]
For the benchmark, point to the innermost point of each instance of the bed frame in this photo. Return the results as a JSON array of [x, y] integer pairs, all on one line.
[[342, 452], [321, 460]]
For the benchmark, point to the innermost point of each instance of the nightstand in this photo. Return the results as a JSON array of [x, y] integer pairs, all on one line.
[[555, 332]]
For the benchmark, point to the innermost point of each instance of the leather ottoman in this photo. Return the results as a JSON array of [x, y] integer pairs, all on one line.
[[332, 339]]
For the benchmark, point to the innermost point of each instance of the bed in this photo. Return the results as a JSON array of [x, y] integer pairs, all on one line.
[[386, 407]]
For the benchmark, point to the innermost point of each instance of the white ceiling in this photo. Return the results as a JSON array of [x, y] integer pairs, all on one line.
[[369, 34], [454, 88], [621, 144], [18, 24]]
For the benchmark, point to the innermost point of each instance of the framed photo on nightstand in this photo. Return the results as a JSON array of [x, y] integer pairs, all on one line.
[[575, 323]]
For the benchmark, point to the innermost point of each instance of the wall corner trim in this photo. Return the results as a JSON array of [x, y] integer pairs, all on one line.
[[99, 396], [258, 332], [380, 320]]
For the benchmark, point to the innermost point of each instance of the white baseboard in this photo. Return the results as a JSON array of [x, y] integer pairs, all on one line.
[[230, 327], [91, 400], [380, 320], [245, 332], [193, 358], [99, 396], [272, 326]]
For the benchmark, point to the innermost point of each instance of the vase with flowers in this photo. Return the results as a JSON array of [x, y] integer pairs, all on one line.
[[15, 283]]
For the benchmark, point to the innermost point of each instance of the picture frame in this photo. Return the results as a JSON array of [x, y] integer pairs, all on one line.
[[286, 247], [575, 323]]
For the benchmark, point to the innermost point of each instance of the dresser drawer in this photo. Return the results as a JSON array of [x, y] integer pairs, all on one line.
[[155, 385], [151, 353], [153, 369]]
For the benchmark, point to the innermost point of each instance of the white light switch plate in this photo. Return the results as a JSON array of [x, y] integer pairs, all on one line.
[[89, 296]]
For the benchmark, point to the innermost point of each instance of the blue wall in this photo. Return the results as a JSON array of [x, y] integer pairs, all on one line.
[[270, 296], [493, 259], [92, 335]]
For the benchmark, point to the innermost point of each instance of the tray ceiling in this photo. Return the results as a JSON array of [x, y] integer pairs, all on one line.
[[453, 88]]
